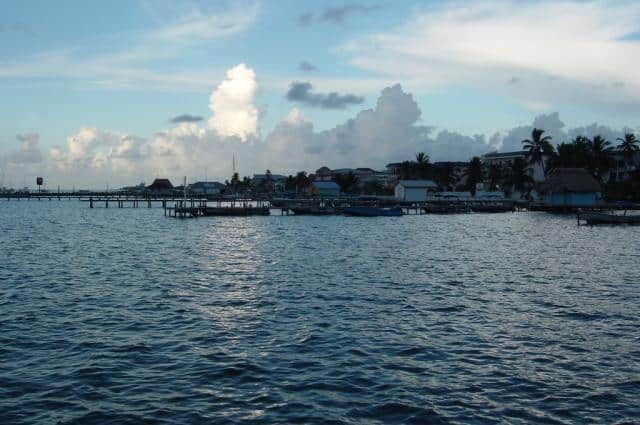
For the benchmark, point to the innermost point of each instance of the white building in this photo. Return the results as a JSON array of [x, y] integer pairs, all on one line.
[[276, 180], [414, 190], [621, 170], [506, 160], [206, 188], [364, 175], [324, 189]]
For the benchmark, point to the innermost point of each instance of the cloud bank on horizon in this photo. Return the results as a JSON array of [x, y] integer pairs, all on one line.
[[390, 131]]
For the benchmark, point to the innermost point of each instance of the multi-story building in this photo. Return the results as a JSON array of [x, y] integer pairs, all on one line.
[[459, 169], [364, 175], [206, 188], [277, 181], [622, 170], [506, 160]]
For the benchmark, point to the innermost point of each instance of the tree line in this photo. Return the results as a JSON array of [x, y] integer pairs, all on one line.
[[596, 154], [593, 154]]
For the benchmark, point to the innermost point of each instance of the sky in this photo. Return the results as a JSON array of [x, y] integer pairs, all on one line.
[[96, 94]]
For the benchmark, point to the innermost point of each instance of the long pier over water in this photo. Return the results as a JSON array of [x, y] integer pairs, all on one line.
[[176, 205]]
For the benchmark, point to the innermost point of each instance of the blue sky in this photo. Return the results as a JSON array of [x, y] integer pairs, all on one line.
[[273, 45], [124, 68]]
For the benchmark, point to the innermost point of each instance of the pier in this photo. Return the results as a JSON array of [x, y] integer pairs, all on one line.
[[137, 202], [223, 207], [179, 206], [88, 196]]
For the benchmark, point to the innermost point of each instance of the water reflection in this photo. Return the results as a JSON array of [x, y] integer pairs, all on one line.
[[127, 315]]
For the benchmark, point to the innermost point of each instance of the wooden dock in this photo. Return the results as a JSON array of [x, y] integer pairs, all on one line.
[[136, 201], [223, 208], [176, 205]]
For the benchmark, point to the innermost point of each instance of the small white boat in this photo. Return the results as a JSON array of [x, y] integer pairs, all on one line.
[[592, 218]]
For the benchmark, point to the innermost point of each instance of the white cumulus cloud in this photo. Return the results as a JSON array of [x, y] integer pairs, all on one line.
[[231, 104], [392, 130]]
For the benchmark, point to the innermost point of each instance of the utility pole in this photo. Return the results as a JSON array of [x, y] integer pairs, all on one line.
[[184, 188]]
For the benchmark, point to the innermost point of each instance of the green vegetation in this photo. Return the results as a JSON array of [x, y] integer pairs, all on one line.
[[538, 147], [597, 155], [348, 182]]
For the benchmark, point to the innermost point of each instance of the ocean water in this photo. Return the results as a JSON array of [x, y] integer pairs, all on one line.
[[126, 316]]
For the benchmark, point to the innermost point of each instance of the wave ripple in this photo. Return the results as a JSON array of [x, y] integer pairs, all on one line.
[[123, 316]]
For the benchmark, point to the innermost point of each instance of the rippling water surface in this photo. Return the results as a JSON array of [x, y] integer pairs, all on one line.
[[125, 316]]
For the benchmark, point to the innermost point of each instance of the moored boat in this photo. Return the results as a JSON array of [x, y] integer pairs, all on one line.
[[445, 208], [234, 211], [363, 211], [592, 218], [492, 207], [312, 210]]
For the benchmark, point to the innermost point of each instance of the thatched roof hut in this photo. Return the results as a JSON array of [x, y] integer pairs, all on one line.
[[574, 180], [160, 185]]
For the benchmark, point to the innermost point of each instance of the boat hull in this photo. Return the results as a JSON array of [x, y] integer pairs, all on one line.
[[373, 212], [602, 218], [237, 211], [313, 211]]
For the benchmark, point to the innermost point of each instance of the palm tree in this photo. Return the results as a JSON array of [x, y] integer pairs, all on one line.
[[266, 185], [519, 177], [302, 181], [571, 155], [445, 176], [406, 170], [290, 183], [600, 152], [246, 183], [348, 182], [422, 158], [474, 174], [629, 148], [538, 147], [235, 182], [422, 164]]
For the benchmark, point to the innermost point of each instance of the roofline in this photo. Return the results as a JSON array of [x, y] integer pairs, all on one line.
[[503, 154]]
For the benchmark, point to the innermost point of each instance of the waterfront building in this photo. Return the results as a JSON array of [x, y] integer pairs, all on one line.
[[503, 159], [324, 189], [160, 187], [570, 188], [506, 159], [324, 174], [363, 174], [369, 175], [393, 168], [621, 170], [141, 188], [458, 169], [259, 178], [415, 190], [206, 188], [277, 181]]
